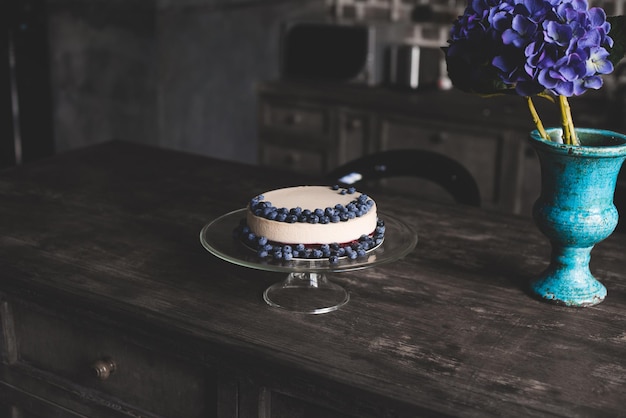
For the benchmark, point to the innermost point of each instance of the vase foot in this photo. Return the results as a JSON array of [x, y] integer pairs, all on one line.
[[563, 292]]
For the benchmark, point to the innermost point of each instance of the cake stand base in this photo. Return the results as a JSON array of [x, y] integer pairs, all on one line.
[[309, 293]]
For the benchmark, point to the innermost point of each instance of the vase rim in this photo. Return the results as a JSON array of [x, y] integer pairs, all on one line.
[[604, 150]]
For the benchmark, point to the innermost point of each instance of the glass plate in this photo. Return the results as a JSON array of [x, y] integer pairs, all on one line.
[[306, 288], [217, 238]]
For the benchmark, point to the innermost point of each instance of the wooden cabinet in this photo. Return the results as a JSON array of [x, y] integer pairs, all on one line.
[[489, 155], [309, 137], [313, 128]]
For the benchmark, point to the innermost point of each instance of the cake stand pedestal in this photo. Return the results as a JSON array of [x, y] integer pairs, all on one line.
[[307, 293], [306, 288]]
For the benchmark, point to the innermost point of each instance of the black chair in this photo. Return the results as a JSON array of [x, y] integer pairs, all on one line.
[[437, 168]]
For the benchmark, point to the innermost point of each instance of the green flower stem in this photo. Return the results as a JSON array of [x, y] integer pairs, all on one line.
[[569, 133], [536, 119]]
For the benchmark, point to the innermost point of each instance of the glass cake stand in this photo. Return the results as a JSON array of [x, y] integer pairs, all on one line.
[[306, 288]]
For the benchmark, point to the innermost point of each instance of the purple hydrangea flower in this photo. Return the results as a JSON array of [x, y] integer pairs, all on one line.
[[530, 46]]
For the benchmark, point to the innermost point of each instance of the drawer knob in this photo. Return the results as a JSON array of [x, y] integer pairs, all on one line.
[[103, 368]]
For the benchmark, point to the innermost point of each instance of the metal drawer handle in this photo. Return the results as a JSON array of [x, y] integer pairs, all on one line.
[[103, 368], [439, 137], [355, 124], [293, 119], [292, 158]]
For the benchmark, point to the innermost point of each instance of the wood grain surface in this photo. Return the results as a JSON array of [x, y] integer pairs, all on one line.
[[450, 329]]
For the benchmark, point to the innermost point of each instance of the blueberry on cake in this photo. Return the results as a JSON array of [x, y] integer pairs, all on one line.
[[311, 222]]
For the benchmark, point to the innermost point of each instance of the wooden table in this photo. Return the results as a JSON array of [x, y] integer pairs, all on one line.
[[100, 259]]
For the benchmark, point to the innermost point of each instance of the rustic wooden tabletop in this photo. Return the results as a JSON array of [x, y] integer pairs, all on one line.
[[450, 328]]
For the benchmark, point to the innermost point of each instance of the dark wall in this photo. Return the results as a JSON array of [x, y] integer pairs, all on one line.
[[104, 71], [211, 56], [178, 74]]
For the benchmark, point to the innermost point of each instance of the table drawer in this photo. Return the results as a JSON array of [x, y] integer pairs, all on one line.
[[143, 378]]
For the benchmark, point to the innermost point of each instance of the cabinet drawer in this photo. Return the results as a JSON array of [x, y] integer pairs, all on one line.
[[353, 139], [309, 120], [143, 378], [310, 162], [479, 152]]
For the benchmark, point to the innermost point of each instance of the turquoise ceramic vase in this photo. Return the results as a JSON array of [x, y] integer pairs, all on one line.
[[575, 210]]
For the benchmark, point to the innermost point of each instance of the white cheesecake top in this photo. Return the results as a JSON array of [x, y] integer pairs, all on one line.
[[312, 198]]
